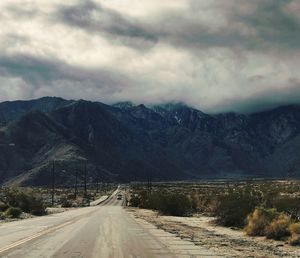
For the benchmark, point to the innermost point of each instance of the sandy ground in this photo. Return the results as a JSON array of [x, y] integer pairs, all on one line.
[[228, 242]]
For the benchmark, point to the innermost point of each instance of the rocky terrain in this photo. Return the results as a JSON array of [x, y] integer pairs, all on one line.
[[137, 142]]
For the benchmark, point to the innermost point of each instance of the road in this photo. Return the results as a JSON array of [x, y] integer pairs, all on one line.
[[101, 231]]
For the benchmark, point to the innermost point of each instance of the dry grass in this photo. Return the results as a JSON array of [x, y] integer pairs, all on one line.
[[295, 231], [279, 227], [259, 220]]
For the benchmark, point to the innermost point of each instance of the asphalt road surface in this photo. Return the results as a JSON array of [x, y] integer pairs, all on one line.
[[102, 231]]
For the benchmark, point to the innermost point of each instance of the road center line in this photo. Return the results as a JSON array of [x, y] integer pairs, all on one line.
[[27, 239], [49, 230]]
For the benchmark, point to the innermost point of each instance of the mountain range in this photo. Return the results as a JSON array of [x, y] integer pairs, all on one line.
[[127, 142]]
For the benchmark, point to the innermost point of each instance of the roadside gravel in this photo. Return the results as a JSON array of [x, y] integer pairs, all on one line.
[[229, 242]]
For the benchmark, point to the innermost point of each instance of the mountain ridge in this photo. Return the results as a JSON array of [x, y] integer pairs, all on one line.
[[135, 142]]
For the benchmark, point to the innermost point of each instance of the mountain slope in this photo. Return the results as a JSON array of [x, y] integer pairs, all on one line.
[[134, 142], [11, 110]]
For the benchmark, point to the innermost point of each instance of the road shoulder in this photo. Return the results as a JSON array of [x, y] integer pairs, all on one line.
[[177, 245], [202, 233]]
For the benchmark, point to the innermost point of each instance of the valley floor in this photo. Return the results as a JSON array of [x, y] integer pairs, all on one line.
[[228, 242]]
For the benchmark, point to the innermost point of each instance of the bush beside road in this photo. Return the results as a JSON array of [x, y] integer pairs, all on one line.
[[261, 208]]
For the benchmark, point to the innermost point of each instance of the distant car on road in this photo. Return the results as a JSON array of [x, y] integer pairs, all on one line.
[[119, 197]]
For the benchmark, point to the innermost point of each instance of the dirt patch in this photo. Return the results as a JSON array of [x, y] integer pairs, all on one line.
[[225, 241]]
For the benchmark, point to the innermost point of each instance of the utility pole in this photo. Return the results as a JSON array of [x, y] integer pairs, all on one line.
[[98, 182], [53, 181], [85, 179], [76, 181], [104, 185], [97, 179], [149, 183], [150, 180]]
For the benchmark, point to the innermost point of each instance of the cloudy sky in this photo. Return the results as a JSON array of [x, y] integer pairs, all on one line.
[[216, 55]]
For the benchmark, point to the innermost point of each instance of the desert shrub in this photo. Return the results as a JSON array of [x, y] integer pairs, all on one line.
[[174, 204], [230, 202], [13, 212], [85, 202], [155, 201], [194, 202], [37, 207], [26, 201], [289, 205], [135, 200], [259, 220], [65, 202], [203, 204], [269, 195], [3, 206], [2, 215], [149, 200], [279, 227], [295, 234], [232, 209]]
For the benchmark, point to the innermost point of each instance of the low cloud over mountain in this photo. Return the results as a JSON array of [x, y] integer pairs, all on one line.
[[217, 56]]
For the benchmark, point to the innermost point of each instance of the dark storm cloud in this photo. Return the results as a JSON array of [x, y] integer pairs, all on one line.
[[268, 25], [93, 17], [233, 55], [39, 72], [272, 23]]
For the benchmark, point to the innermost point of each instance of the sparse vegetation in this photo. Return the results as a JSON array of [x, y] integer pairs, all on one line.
[[269, 223], [34, 201], [279, 227], [3, 207], [259, 220], [27, 201], [167, 203], [13, 212], [66, 202], [264, 208], [232, 208], [295, 234]]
